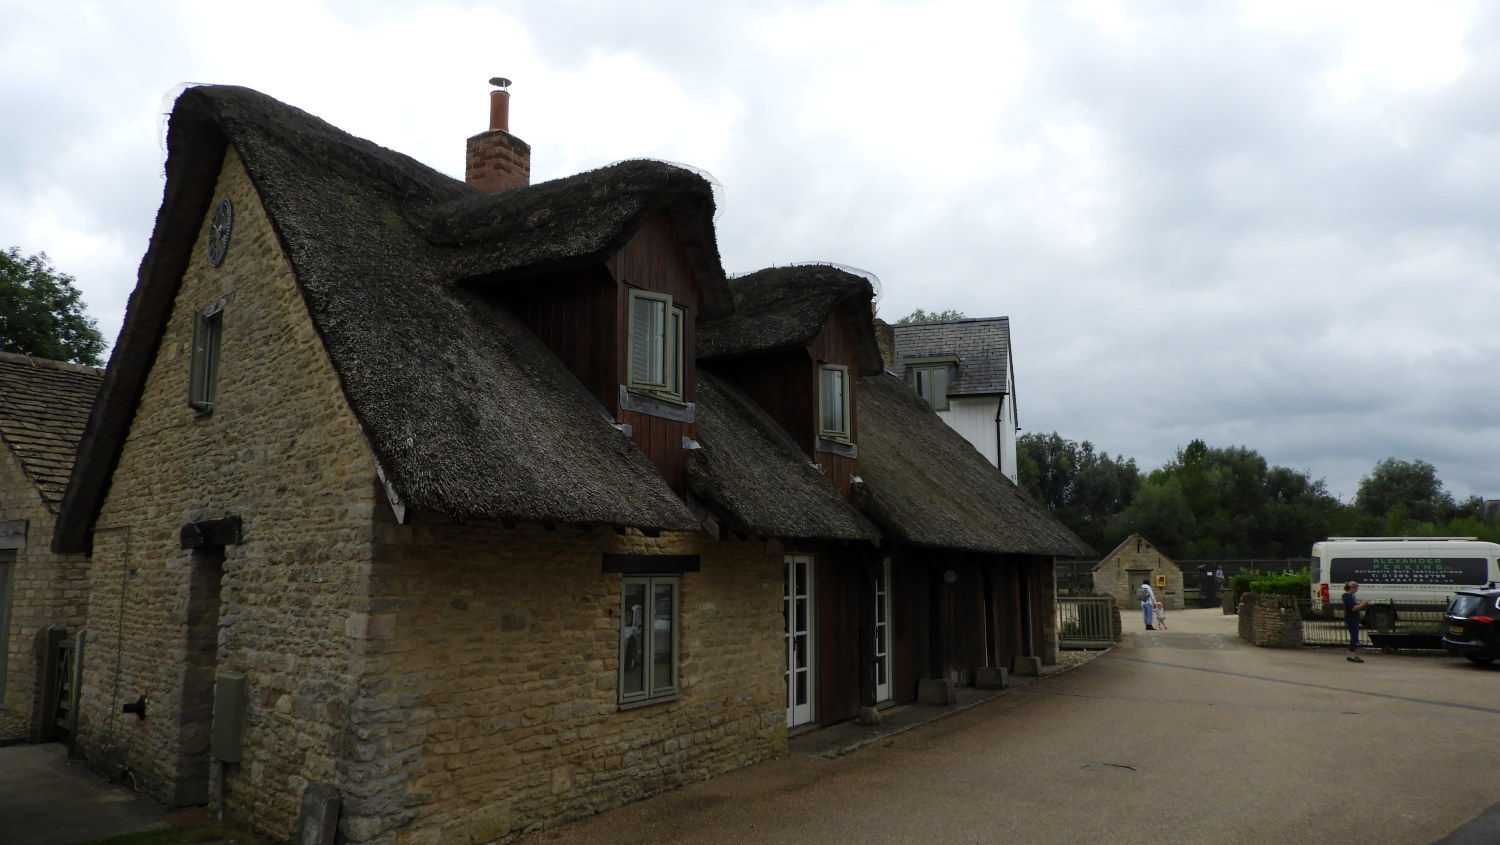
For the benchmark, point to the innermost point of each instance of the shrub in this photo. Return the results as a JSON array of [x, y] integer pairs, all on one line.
[[1294, 583]]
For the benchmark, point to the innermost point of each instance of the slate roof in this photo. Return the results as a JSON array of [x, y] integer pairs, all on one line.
[[926, 485], [982, 347], [43, 407], [467, 413]]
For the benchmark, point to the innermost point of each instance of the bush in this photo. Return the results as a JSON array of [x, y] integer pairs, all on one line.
[[1294, 583]]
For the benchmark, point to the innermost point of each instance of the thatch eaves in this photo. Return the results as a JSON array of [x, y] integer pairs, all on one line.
[[785, 307], [45, 406], [756, 480], [926, 485], [467, 413]]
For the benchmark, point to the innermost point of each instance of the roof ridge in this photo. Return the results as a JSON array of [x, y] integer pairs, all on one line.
[[49, 364]]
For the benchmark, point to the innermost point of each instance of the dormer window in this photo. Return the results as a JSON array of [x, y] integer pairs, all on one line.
[[655, 345], [833, 402], [930, 378]]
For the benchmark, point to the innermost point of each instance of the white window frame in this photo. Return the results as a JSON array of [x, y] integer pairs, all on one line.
[[654, 362], [839, 429], [640, 640], [203, 369]]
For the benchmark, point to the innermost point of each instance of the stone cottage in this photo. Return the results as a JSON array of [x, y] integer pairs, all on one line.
[[43, 595], [1121, 572], [424, 492]]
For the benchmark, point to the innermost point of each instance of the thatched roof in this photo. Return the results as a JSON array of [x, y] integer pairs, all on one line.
[[42, 413], [755, 478], [786, 307], [468, 414], [926, 485]]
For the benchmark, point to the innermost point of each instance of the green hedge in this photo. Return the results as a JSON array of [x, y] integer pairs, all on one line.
[[1294, 583]]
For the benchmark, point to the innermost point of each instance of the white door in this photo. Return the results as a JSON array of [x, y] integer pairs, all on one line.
[[799, 640], [883, 631]]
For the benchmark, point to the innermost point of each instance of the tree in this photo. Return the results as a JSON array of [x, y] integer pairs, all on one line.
[[1084, 489], [1410, 487], [920, 316], [41, 312], [1227, 502]]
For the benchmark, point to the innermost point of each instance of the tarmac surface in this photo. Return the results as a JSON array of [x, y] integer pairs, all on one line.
[[1187, 735]]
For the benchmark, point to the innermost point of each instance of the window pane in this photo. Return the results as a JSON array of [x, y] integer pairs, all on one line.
[[672, 375], [632, 640], [664, 664], [833, 391], [648, 330]]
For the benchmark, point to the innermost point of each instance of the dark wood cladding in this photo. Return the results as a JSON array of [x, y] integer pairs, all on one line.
[[655, 260], [837, 619], [575, 317], [660, 440], [785, 385]]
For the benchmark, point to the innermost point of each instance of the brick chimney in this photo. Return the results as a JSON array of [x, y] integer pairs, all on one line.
[[497, 160]]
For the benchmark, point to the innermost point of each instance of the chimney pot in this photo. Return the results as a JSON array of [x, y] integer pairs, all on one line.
[[497, 160], [500, 104]]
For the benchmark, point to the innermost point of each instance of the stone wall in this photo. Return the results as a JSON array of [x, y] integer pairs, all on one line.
[[47, 590], [1270, 620], [285, 607], [1113, 576], [494, 711]]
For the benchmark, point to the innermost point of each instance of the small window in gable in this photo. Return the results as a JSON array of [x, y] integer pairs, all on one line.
[[656, 329], [203, 377], [833, 402]]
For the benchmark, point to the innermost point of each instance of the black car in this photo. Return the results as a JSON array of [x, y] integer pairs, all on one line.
[[1472, 625]]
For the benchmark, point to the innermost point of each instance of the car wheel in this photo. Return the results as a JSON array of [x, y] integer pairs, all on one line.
[[1482, 661], [1380, 618]]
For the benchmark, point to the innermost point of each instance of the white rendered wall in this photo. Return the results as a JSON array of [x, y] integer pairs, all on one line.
[[974, 418]]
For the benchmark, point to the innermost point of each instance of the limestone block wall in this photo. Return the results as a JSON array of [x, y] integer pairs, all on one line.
[[285, 607], [494, 708], [1114, 575], [1270, 620], [46, 590]]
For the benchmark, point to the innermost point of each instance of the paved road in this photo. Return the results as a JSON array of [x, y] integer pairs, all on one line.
[[1180, 736]]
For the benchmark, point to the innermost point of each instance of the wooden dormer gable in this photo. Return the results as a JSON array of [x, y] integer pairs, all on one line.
[[623, 318], [798, 341]]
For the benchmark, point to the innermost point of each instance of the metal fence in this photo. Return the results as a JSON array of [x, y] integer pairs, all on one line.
[[1085, 621], [1409, 627]]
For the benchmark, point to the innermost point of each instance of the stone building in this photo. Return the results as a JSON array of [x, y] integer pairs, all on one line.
[[43, 595], [418, 490], [1121, 572]]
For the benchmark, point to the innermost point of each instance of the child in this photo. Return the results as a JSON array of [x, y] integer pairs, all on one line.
[[1161, 616]]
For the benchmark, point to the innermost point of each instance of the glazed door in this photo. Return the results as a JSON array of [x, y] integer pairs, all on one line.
[[883, 631], [799, 645]]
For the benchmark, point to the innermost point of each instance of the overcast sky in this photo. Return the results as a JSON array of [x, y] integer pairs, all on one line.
[[1264, 224]]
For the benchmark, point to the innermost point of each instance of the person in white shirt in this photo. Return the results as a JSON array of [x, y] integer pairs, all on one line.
[[1148, 603]]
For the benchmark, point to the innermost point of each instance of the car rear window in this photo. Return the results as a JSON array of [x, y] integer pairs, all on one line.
[[1465, 605]]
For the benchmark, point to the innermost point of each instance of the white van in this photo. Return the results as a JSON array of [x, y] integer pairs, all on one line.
[[1399, 573]]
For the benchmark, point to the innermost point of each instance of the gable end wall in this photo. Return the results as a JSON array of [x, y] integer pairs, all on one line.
[[282, 451]]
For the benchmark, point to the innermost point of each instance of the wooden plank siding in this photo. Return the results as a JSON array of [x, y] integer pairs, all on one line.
[[785, 385], [654, 260], [837, 621], [576, 319]]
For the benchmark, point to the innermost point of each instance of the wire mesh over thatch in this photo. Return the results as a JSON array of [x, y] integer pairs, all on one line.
[[468, 414], [926, 485], [755, 478], [786, 307]]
